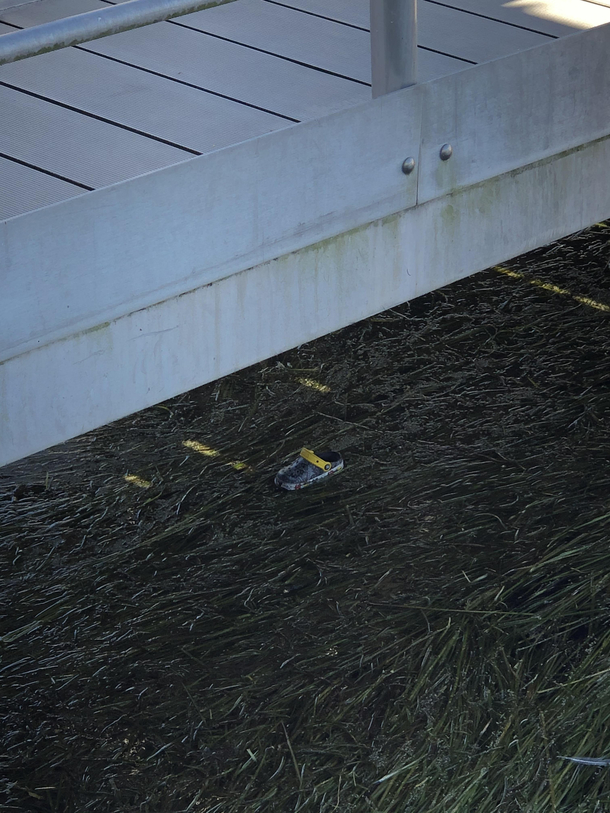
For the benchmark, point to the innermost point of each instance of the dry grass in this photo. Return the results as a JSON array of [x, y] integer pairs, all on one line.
[[426, 633]]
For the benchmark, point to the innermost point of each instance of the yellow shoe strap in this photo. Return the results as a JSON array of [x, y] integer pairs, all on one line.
[[312, 457]]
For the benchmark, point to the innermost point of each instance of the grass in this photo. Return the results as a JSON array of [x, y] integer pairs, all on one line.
[[426, 633]]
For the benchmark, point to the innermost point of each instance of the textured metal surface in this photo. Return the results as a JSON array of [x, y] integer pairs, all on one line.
[[506, 114], [557, 18], [441, 28], [12, 3], [353, 12], [68, 387], [222, 67], [190, 224], [393, 45], [471, 37], [23, 189], [76, 147], [315, 41], [256, 78], [90, 25], [153, 105], [289, 33]]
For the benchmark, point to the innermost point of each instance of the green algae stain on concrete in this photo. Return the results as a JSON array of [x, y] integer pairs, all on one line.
[[449, 217], [338, 242], [94, 329]]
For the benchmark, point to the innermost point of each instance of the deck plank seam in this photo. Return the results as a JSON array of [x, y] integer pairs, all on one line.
[[97, 117], [445, 53], [313, 14], [174, 79], [271, 53], [434, 2], [46, 172], [189, 84], [260, 50], [366, 30], [487, 17]]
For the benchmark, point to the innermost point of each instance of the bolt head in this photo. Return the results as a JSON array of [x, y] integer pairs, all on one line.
[[408, 165], [446, 152]]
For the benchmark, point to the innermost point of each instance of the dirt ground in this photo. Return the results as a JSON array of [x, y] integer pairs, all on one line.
[[427, 631]]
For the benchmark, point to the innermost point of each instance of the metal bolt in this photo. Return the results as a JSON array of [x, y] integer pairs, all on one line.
[[408, 165], [446, 152]]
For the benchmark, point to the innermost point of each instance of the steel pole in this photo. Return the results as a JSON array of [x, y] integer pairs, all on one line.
[[94, 24], [393, 45]]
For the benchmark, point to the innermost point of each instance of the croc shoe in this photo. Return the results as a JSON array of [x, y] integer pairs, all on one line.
[[308, 468]]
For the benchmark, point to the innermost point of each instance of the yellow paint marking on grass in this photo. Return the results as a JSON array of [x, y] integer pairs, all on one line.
[[239, 465], [201, 448], [134, 480], [207, 451], [554, 289], [313, 384], [585, 300]]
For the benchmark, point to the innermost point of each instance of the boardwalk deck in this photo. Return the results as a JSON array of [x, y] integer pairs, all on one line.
[[152, 97], [197, 229]]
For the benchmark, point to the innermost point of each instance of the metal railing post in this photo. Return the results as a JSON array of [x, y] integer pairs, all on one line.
[[393, 45]]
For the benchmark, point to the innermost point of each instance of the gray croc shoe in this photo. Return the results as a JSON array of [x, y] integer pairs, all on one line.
[[308, 468]]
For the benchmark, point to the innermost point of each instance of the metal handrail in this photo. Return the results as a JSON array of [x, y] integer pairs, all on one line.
[[95, 24]]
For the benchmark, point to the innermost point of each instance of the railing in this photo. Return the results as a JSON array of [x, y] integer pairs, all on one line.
[[393, 34], [393, 45], [95, 24]]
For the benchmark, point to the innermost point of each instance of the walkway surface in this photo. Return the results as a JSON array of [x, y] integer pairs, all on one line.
[[109, 110]]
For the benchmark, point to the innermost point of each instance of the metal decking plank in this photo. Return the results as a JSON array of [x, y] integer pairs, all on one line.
[[555, 19], [431, 65], [350, 12], [282, 31], [11, 3], [23, 189], [470, 37], [177, 113], [222, 67], [440, 28], [44, 11], [74, 146], [314, 41]]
